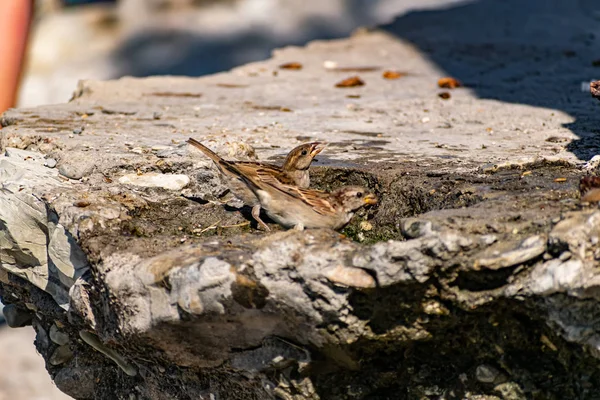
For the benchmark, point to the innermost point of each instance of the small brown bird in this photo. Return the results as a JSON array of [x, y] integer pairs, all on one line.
[[294, 207], [294, 171], [589, 189]]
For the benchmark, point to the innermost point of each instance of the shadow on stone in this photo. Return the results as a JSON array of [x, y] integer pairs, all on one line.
[[506, 50]]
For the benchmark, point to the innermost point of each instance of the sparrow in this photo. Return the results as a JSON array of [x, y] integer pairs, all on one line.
[[294, 171], [294, 207], [589, 189]]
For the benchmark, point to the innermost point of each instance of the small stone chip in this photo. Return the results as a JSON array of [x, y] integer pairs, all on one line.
[[50, 163], [486, 373], [57, 336], [61, 355], [350, 276]]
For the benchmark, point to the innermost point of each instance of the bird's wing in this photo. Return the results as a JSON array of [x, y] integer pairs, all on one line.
[[265, 172], [316, 199]]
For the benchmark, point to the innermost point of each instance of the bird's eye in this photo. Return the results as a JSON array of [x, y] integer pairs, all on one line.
[[304, 152], [359, 195]]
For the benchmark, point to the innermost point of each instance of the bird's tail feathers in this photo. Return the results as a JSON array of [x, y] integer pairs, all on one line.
[[208, 152], [223, 164]]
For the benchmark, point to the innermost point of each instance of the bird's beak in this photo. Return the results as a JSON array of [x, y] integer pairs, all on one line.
[[316, 148], [371, 199]]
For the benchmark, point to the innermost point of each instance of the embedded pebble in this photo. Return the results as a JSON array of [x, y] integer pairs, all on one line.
[[414, 228], [57, 336], [61, 355], [348, 276], [486, 373], [152, 179], [73, 170], [50, 163], [79, 382]]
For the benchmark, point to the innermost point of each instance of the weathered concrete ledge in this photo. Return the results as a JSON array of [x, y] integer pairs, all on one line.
[[476, 277]]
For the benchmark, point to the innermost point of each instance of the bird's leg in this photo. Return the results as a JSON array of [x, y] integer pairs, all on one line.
[[299, 226], [256, 216]]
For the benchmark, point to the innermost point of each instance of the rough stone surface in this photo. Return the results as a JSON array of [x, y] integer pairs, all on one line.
[[165, 181], [479, 253], [32, 235]]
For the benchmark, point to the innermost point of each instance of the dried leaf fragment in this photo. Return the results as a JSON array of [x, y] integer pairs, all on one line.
[[353, 81], [393, 74], [449, 83], [291, 65]]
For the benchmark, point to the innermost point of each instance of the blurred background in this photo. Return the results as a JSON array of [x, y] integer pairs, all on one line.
[[111, 39], [178, 37]]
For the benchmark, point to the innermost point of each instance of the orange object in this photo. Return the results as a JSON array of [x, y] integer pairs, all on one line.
[[15, 21], [393, 74], [449, 83], [350, 82]]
